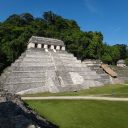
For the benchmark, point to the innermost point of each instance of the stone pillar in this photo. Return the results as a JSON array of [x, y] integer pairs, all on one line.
[[31, 45], [57, 47], [45, 46], [39, 46], [63, 48], [54, 50], [46, 50], [52, 47]]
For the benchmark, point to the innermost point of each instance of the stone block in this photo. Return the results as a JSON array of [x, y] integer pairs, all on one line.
[[39, 46], [31, 45]]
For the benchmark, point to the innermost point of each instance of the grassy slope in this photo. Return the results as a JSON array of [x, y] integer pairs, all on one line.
[[111, 90], [84, 114]]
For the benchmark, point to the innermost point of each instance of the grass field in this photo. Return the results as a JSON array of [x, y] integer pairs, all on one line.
[[83, 114], [108, 90]]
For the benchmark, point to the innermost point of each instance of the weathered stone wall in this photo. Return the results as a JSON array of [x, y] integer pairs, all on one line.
[[95, 65], [122, 72], [47, 43], [41, 70]]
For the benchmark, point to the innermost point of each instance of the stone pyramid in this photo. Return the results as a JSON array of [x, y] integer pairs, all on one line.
[[95, 65], [46, 67]]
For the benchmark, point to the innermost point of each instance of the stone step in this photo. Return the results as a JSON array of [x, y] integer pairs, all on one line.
[[39, 56], [34, 51], [93, 65], [77, 69], [104, 81], [69, 88], [15, 64], [17, 87], [66, 55], [65, 77], [27, 64], [123, 73], [30, 59], [8, 69], [73, 65], [37, 53], [34, 90], [26, 74], [18, 61], [87, 73], [124, 78], [95, 68], [105, 77], [92, 61], [71, 62], [63, 52], [17, 80], [92, 83], [100, 71], [93, 77], [34, 68], [66, 60]]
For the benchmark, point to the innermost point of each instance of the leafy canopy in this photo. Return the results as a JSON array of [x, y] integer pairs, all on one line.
[[17, 29]]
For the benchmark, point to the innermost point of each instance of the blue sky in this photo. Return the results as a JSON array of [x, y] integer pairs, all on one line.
[[108, 16]]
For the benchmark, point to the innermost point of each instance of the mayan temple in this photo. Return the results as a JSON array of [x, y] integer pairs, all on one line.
[[47, 67]]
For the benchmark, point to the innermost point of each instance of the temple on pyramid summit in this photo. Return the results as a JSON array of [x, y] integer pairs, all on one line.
[[46, 66]]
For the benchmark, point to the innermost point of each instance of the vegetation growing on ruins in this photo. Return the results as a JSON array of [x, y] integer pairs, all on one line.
[[108, 90], [17, 29], [81, 114]]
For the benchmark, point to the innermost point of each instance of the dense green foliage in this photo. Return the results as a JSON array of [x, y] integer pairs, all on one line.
[[83, 113], [17, 29]]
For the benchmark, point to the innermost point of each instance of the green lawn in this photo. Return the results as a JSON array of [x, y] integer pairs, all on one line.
[[108, 90], [83, 114]]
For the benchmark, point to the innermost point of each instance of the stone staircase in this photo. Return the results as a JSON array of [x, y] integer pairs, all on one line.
[[95, 65], [79, 73], [122, 72], [39, 71]]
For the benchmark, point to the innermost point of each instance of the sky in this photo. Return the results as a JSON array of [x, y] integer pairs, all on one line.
[[107, 16]]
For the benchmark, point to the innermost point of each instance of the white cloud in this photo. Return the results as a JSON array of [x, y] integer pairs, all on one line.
[[91, 5]]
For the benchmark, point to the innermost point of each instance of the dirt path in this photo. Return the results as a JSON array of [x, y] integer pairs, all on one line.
[[75, 98]]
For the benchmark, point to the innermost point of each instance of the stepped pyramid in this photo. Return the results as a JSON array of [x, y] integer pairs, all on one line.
[[95, 65], [122, 72], [46, 67]]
